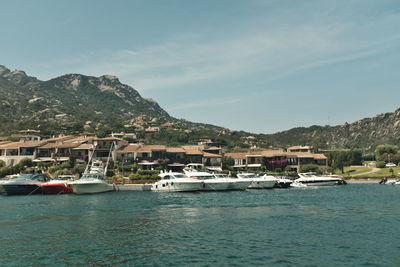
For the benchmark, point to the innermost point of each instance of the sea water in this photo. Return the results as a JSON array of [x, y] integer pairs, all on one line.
[[353, 225]]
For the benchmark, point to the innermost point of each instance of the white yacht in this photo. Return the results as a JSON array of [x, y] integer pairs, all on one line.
[[310, 179], [257, 182], [176, 182], [93, 178], [234, 183], [210, 183]]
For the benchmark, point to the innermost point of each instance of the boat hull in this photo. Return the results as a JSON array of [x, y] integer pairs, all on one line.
[[320, 183], [215, 186], [239, 185], [59, 188], [173, 186], [262, 184], [91, 188], [283, 184], [20, 189]]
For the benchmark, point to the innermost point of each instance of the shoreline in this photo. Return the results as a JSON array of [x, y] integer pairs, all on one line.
[[364, 181]]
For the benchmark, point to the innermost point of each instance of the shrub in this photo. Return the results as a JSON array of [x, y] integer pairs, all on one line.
[[2, 164], [369, 157], [380, 164], [136, 176], [148, 172], [311, 168]]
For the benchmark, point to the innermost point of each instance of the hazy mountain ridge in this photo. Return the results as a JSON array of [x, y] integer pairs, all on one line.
[[365, 133], [74, 103]]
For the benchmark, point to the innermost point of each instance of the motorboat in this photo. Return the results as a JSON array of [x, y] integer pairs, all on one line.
[[234, 183], [176, 182], [24, 184], [60, 185], [93, 178], [310, 179], [283, 182], [210, 183], [92, 181], [257, 181]]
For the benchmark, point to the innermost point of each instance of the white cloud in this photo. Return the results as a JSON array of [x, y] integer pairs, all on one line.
[[276, 52]]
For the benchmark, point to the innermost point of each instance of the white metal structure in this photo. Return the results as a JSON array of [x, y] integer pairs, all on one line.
[[257, 182], [176, 182]]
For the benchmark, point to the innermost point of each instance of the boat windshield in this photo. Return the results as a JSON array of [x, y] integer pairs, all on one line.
[[180, 176], [249, 176], [34, 176], [220, 175], [204, 176], [92, 176]]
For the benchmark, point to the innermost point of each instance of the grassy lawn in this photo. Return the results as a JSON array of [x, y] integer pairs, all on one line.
[[353, 171], [385, 172]]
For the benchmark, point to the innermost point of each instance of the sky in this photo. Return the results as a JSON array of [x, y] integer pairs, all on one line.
[[259, 66]]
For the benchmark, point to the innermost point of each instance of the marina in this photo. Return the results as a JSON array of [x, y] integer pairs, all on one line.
[[351, 225]]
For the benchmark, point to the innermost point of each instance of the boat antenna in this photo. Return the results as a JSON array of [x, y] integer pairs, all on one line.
[[90, 160], [108, 159]]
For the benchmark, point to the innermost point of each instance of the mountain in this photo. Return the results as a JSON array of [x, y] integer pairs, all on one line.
[[365, 133], [69, 102], [76, 104]]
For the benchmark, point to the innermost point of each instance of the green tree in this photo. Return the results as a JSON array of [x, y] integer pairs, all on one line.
[[227, 163], [390, 149], [311, 168]]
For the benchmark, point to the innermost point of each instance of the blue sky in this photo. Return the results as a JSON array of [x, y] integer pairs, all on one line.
[[259, 66]]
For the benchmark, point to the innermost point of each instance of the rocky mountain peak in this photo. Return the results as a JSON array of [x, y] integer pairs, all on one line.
[[16, 76], [3, 70]]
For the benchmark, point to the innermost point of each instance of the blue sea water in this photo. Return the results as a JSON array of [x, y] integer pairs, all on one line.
[[353, 225]]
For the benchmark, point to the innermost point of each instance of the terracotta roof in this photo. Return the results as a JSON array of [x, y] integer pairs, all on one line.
[[300, 155], [320, 156], [237, 155], [60, 138], [4, 142], [84, 146], [175, 150], [109, 139], [16, 145], [193, 147], [211, 155], [212, 148], [81, 139], [299, 147], [193, 152], [156, 147], [144, 149], [129, 148], [61, 145], [272, 153]]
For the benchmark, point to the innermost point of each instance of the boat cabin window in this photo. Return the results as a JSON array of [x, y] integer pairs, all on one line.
[[41, 177], [180, 176], [167, 177], [205, 177]]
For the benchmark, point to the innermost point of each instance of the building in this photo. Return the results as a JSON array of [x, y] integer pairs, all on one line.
[[276, 159], [308, 149]]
